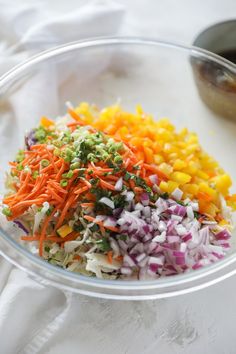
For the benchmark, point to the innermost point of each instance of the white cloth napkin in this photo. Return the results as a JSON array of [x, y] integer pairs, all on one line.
[[28, 310]]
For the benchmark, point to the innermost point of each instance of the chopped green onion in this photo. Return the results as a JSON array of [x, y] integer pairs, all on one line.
[[6, 211], [57, 152], [75, 165], [70, 174], [63, 183], [118, 159], [35, 174], [20, 167], [45, 163], [20, 156]]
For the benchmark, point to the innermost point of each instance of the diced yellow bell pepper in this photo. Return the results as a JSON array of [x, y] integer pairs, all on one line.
[[158, 159], [202, 175], [179, 164], [204, 187], [165, 168], [190, 188], [164, 186], [46, 123], [64, 230], [172, 186], [222, 183], [180, 177]]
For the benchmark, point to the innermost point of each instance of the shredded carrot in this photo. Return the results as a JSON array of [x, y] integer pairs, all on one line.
[[107, 185], [77, 257], [109, 256], [86, 205], [75, 116], [119, 258], [43, 232], [100, 223], [204, 196], [81, 190], [155, 170]]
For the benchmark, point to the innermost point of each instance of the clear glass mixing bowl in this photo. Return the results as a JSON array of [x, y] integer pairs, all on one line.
[[160, 76]]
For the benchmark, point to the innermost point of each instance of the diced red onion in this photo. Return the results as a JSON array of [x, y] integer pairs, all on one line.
[[223, 235], [156, 260], [153, 179], [180, 261], [128, 260], [119, 184], [177, 194], [140, 257], [21, 226], [147, 237], [153, 267], [144, 199], [190, 213], [107, 202], [173, 238], [129, 196], [160, 238], [126, 270], [110, 221]]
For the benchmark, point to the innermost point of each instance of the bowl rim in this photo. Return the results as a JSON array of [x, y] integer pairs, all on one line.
[[161, 283], [209, 28]]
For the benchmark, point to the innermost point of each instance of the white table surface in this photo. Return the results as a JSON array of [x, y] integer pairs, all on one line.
[[198, 323]]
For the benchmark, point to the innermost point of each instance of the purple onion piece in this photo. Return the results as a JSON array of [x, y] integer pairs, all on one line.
[[30, 139], [21, 226]]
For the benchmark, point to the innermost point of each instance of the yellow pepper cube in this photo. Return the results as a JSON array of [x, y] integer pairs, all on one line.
[[46, 123], [204, 187], [158, 159], [172, 186], [202, 175], [164, 186], [180, 177], [193, 139], [179, 164], [64, 230], [211, 209], [136, 141], [165, 168], [191, 188], [222, 183]]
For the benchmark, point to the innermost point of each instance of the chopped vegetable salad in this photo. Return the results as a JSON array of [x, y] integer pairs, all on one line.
[[113, 194]]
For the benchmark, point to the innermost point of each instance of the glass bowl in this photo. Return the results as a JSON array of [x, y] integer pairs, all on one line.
[[159, 76]]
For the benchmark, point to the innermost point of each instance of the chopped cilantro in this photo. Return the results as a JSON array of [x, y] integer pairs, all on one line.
[[94, 228], [164, 195], [78, 227], [119, 201], [123, 237], [180, 202], [103, 244], [49, 211]]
